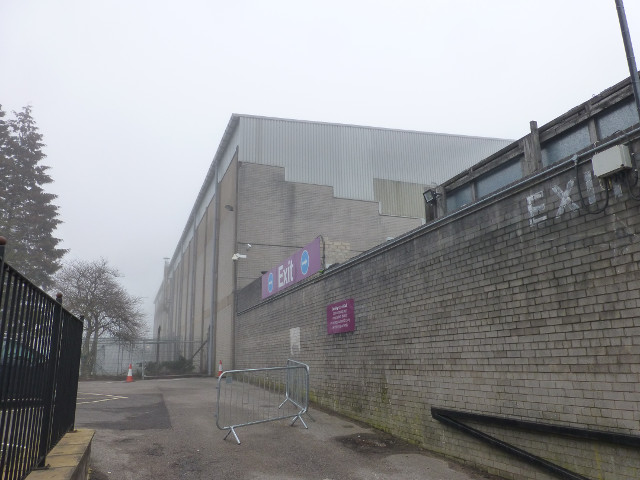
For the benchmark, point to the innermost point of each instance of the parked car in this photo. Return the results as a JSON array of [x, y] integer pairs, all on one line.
[[22, 371]]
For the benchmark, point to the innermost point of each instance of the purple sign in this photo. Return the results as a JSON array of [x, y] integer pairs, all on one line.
[[302, 264], [341, 317]]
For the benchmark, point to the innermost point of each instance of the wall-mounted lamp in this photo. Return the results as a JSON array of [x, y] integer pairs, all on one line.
[[228, 207], [431, 196], [238, 256]]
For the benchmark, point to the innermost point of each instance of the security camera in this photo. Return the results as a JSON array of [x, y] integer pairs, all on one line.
[[237, 256]]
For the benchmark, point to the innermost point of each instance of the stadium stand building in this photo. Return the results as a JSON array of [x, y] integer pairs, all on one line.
[[273, 187]]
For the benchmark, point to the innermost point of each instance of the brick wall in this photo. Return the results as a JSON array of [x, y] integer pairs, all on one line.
[[521, 306], [337, 252]]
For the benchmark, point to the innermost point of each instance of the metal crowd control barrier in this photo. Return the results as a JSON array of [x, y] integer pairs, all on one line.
[[259, 395]]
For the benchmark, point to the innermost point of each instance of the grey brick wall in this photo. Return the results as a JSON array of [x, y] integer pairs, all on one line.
[[277, 217], [522, 307]]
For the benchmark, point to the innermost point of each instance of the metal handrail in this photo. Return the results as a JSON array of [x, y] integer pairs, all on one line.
[[455, 419]]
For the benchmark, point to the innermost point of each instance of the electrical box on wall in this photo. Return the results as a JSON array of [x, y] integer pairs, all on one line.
[[611, 160]]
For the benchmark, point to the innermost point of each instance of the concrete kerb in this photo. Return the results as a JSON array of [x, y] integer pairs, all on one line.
[[69, 459]]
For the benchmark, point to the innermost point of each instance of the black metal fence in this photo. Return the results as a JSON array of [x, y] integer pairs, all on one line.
[[39, 365]]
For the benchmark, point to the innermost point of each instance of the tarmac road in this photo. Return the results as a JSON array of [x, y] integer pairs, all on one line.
[[165, 430]]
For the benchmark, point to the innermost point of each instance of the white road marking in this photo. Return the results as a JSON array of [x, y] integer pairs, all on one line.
[[107, 399]]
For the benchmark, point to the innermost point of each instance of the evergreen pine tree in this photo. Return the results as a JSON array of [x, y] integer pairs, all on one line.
[[28, 217]]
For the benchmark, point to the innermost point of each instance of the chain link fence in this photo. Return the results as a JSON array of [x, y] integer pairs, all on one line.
[[149, 358]]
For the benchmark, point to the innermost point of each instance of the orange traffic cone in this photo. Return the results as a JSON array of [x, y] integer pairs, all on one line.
[[130, 374], [220, 368]]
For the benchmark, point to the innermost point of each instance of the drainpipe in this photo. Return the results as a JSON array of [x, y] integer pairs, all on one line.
[[628, 47], [3, 242], [214, 277], [189, 333]]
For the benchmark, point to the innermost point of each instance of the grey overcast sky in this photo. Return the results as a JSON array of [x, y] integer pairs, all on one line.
[[133, 96]]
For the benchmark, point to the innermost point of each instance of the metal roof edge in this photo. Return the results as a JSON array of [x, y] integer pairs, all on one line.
[[226, 136], [365, 127]]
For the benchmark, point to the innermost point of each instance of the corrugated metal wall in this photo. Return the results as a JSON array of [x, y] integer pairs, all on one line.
[[348, 158]]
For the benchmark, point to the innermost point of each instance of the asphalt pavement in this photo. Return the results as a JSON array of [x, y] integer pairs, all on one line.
[[166, 430]]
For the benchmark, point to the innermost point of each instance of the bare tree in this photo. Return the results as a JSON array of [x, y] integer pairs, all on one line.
[[91, 289]]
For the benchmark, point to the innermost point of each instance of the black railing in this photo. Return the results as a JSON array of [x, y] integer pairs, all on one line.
[[39, 365], [455, 419]]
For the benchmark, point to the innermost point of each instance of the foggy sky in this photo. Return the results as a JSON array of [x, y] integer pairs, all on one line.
[[133, 97]]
